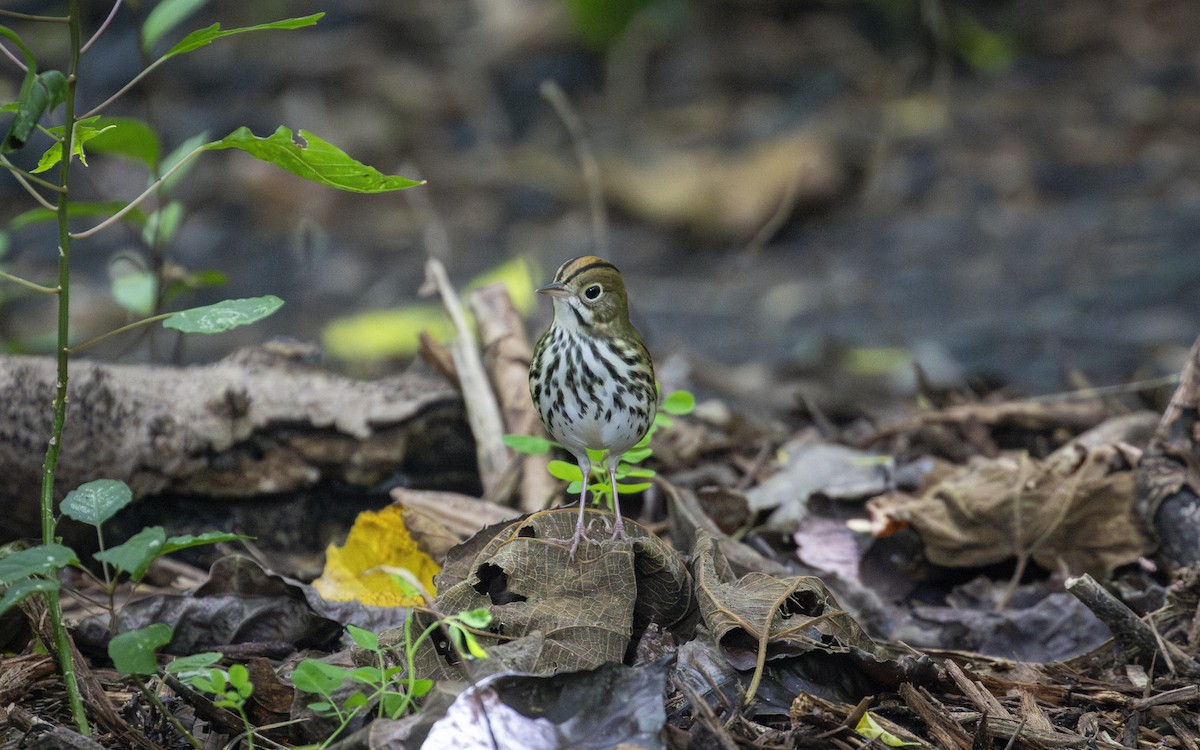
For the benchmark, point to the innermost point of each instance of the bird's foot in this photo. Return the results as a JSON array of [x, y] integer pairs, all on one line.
[[580, 536], [619, 529]]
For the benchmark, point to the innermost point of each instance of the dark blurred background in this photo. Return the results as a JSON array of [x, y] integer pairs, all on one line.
[[801, 195]]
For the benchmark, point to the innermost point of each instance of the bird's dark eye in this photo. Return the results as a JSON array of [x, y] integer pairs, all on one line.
[[593, 292]]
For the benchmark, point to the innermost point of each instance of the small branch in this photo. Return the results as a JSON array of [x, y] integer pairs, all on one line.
[[553, 93], [136, 324], [121, 91], [483, 412], [22, 176], [134, 203], [30, 17], [11, 56], [166, 714], [111, 14], [1129, 631], [29, 284]]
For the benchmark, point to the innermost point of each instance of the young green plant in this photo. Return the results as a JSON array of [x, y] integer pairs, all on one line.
[[44, 94], [394, 691]]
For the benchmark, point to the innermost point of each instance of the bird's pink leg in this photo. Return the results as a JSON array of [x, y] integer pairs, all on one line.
[[580, 533], [619, 524]]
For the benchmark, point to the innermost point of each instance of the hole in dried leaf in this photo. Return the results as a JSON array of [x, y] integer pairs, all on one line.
[[493, 581], [805, 603]]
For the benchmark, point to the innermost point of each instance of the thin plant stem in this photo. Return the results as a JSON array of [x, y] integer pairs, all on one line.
[[121, 91], [62, 643], [134, 203], [111, 14], [557, 98], [28, 284], [30, 17], [136, 324], [22, 175], [162, 710]]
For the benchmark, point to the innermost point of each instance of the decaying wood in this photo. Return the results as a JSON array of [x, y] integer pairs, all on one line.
[[506, 354], [1130, 631], [1168, 476], [259, 422]]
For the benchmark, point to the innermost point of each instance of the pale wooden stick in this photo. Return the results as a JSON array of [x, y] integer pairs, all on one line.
[[483, 413], [506, 354]]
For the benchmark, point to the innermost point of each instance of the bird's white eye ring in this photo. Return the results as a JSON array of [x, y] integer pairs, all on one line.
[[593, 292]]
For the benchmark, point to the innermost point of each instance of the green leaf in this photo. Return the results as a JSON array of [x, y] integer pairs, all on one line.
[[467, 640], [193, 280], [529, 444], [392, 704], [421, 687], [18, 591], [127, 137], [38, 94], [319, 161], [223, 316], [188, 667], [984, 50], [185, 541], [356, 700], [165, 16], [239, 675], [633, 471], [78, 210], [364, 638], [636, 455], [477, 618], [97, 501], [162, 224], [366, 675], [678, 403], [85, 130], [318, 677], [868, 727], [42, 560], [133, 653], [204, 37], [564, 471], [136, 554], [629, 489], [135, 292]]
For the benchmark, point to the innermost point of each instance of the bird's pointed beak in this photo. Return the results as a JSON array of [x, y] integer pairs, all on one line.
[[554, 289]]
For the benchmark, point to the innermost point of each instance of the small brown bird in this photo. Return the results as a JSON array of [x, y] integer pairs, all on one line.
[[591, 377]]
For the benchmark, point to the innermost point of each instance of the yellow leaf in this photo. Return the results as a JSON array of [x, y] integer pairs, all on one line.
[[876, 361], [355, 571], [385, 333], [517, 275], [869, 728]]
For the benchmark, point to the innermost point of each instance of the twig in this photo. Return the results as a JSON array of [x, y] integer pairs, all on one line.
[[1137, 638], [30, 17], [483, 413], [553, 93], [506, 353], [28, 284], [111, 14], [145, 194], [149, 695]]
